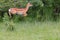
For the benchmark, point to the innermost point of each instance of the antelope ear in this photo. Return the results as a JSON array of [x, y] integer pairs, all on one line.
[[28, 2]]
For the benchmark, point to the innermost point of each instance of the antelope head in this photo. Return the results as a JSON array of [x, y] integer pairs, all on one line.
[[29, 4]]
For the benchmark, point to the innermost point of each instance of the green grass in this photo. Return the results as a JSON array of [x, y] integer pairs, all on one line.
[[31, 31]]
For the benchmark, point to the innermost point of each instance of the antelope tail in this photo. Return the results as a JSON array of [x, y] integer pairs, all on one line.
[[9, 13]]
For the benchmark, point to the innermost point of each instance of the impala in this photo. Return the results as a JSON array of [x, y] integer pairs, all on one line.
[[19, 11]]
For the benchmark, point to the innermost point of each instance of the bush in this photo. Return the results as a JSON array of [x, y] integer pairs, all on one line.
[[41, 10]]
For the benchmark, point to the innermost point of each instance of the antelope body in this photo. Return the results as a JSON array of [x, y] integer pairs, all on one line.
[[19, 11]]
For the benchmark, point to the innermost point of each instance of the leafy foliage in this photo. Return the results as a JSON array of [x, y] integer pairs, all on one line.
[[40, 11]]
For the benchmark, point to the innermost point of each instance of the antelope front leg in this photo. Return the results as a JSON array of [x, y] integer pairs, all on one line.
[[25, 14]]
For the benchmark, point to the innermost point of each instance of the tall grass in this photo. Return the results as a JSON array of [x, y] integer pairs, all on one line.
[[31, 31]]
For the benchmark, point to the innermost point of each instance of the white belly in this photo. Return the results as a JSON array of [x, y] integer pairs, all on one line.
[[19, 13]]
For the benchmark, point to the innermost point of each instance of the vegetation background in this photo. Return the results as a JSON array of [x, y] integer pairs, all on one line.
[[42, 10], [41, 23]]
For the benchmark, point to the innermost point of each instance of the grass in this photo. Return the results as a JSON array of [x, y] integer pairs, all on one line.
[[31, 31]]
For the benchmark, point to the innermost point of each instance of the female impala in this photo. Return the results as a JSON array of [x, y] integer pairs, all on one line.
[[21, 11]]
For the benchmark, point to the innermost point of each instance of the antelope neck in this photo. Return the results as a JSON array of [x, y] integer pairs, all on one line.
[[27, 7]]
